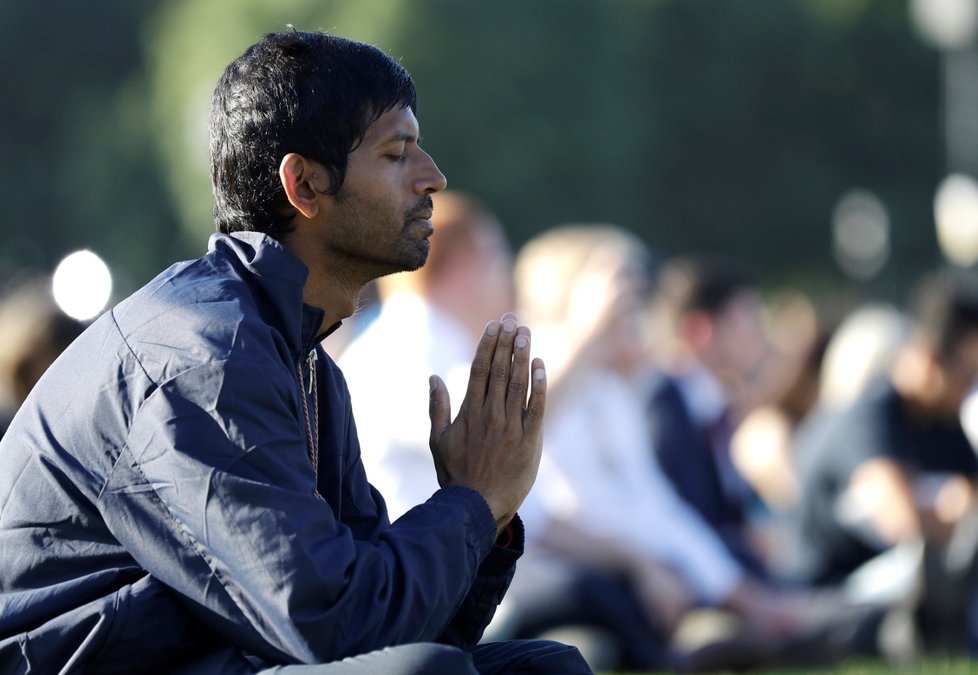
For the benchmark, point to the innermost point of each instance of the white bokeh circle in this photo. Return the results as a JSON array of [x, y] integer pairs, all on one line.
[[82, 285]]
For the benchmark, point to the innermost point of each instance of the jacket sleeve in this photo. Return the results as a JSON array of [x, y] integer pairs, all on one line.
[[491, 584], [215, 496]]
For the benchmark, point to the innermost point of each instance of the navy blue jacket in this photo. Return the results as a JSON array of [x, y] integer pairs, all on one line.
[[159, 509]]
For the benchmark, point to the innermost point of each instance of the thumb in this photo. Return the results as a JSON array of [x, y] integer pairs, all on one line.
[[439, 406]]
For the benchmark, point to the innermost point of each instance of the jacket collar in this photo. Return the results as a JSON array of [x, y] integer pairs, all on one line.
[[281, 275]]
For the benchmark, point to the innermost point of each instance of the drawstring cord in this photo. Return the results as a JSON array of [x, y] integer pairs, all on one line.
[[311, 438]]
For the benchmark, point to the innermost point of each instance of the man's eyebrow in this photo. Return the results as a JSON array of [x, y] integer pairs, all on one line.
[[402, 136]]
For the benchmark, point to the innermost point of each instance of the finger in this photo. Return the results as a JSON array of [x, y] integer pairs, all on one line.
[[519, 376], [439, 408], [502, 360], [537, 404], [475, 393]]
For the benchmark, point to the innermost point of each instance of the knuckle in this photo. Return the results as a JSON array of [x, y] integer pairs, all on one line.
[[535, 414], [479, 369], [516, 387], [500, 372]]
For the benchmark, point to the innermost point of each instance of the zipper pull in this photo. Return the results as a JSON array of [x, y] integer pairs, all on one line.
[[311, 361]]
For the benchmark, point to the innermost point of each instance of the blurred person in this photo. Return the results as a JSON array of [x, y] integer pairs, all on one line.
[[183, 491], [711, 307], [860, 352], [601, 504], [769, 446], [429, 321], [894, 469], [762, 446], [33, 332]]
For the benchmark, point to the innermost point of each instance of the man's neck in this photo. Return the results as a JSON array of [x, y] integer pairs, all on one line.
[[337, 299], [330, 286]]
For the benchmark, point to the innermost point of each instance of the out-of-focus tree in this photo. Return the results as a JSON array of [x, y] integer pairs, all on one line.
[[774, 110], [731, 126]]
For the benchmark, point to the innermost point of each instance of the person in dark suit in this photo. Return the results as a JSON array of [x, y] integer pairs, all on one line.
[[711, 309]]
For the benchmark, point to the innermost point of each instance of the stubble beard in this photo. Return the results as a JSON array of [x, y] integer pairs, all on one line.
[[376, 256]]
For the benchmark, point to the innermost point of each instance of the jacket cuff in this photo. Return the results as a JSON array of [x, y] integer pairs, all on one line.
[[482, 525], [506, 551]]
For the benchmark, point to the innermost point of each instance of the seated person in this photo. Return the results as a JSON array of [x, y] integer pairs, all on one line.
[[711, 310], [896, 466], [183, 492]]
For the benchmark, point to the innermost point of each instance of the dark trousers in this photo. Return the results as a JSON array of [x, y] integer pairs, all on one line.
[[590, 599], [516, 657]]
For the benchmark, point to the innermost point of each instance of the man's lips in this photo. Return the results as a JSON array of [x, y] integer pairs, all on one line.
[[421, 220], [420, 215]]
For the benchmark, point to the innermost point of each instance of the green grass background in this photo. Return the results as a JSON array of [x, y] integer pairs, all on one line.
[[930, 666]]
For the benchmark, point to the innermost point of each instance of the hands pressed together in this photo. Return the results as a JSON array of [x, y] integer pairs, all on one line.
[[493, 446]]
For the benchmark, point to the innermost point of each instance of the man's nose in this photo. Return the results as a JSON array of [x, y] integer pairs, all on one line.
[[431, 180]]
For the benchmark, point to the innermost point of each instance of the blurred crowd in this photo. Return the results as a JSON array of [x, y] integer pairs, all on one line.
[[729, 480]]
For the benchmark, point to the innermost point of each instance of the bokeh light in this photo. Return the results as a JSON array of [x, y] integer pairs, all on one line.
[[969, 417], [956, 216], [82, 285], [861, 234], [949, 24]]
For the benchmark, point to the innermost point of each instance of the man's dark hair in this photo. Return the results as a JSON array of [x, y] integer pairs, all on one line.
[[701, 282], [310, 93], [944, 309]]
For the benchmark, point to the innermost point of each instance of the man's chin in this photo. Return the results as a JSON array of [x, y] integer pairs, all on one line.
[[409, 264], [421, 258]]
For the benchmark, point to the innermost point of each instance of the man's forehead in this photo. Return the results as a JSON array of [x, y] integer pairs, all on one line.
[[395, 124]]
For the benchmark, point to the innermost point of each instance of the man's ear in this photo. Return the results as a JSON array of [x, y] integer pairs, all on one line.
[[304, 182]]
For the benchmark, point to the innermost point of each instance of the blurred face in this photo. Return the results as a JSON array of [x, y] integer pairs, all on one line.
[[739, 343], [381, 216]]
